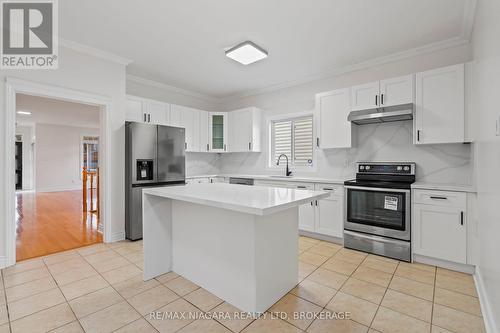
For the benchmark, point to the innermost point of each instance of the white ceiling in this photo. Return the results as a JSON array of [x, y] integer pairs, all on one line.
[[52, 111], [181, 42]]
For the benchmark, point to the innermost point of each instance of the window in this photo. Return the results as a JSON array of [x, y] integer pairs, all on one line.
[[294, 138]]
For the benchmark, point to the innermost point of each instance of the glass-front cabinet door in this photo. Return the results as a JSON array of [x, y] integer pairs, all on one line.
[[218, 131]]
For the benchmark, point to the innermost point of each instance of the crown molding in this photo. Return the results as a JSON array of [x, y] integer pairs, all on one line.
[[468, 19], [94, 52], [185, 92], [426, 49]]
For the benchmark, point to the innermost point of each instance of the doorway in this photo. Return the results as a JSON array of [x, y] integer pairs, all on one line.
[[49, 217]]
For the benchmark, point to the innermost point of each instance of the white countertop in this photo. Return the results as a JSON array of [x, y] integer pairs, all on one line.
[[257, 200], [278, 178], [443, 187]]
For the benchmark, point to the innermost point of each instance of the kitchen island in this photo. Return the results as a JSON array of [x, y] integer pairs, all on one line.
[[238, 242]]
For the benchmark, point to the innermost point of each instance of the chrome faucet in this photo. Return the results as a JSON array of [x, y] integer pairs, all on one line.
[[287, 172]]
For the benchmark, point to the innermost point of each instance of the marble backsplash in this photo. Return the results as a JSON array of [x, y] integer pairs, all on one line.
[[444, 163], [202, 164]]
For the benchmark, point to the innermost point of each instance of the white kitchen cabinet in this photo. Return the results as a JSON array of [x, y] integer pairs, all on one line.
[[384, 93], [332, 127], [440, 106], [329, 219], [396, 91], [146, 111], [244, 130], [217, 131], [324, 216], [189, 119], [440, 225], [365, 96], [204, 135], [134, 110], [158, 112]]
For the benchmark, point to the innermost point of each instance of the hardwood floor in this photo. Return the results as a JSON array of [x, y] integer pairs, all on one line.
[[52, 222]]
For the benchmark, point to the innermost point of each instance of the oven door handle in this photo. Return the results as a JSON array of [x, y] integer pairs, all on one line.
[[376, 189]]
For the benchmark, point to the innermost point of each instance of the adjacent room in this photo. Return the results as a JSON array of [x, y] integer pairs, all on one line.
[[57, 164], [231, 166]]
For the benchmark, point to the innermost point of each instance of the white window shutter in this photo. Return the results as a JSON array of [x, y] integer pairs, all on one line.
[[294, 138]]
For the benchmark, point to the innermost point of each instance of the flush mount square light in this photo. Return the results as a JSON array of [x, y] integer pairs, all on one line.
[[246, 53]]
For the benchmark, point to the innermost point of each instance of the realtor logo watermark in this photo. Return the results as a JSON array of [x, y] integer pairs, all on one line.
[[29, 34]]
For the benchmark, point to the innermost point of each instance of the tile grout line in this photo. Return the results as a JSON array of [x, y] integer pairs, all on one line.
[[6, 304]]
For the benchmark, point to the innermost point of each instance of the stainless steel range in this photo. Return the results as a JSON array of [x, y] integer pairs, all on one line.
[[378, 214]]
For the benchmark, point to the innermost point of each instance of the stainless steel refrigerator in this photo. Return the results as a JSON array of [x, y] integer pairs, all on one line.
[[154, 157]]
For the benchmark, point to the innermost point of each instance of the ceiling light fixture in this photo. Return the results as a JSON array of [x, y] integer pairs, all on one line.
[[27, 113], [246, 53]]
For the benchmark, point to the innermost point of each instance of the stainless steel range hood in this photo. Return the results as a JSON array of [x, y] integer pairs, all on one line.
[[382, 115]]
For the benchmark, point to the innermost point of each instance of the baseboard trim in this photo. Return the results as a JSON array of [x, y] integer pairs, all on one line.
[[116, 237], [489, 318], [331, 239], [469, 269]]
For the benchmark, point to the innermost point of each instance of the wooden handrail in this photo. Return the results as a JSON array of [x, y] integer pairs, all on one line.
[[85, 179]]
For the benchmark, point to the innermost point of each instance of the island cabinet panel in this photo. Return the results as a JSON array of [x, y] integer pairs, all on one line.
[[440, 225], [440, 106], [223, 238], [333, 128]]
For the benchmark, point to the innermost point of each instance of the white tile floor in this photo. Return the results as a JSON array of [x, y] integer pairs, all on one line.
[[100, 289]]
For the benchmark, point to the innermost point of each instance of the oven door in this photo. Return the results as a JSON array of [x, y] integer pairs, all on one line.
[[378, 211]]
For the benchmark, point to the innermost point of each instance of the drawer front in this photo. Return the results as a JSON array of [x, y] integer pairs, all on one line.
[[301, 186], [334, 189], [440, 198]]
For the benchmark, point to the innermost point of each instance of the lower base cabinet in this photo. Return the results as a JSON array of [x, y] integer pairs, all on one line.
[[439, 225], [324, 216]]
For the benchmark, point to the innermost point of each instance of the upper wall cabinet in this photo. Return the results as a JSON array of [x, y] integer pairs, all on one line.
[[244, 130], [365, 96], [188, 118], [204, 135], [217, 131], [332, 127], [383, 93], [146, 111], [439, 106]]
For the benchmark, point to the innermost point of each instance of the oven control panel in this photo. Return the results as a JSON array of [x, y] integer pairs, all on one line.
[[380, 168]]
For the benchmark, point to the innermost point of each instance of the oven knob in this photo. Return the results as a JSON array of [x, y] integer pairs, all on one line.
[[367, 167], [399, 168], [406, 168], [361, 167]]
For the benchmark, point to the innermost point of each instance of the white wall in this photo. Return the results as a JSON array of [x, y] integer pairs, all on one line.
[[28, 154], [385, 142], [86, 73], [58, 157], [485, 88]]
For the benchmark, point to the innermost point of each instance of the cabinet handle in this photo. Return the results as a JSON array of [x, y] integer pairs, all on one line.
[[376, 99], [317, 142], [311, 203], [300, 186], [185, 145], [149, 117], [418, 135], [316, 202], [461, 218], [439, 198], [207, 147], [249, 146], [144, 117], [381, 99], [224, 147], [327, 189]]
